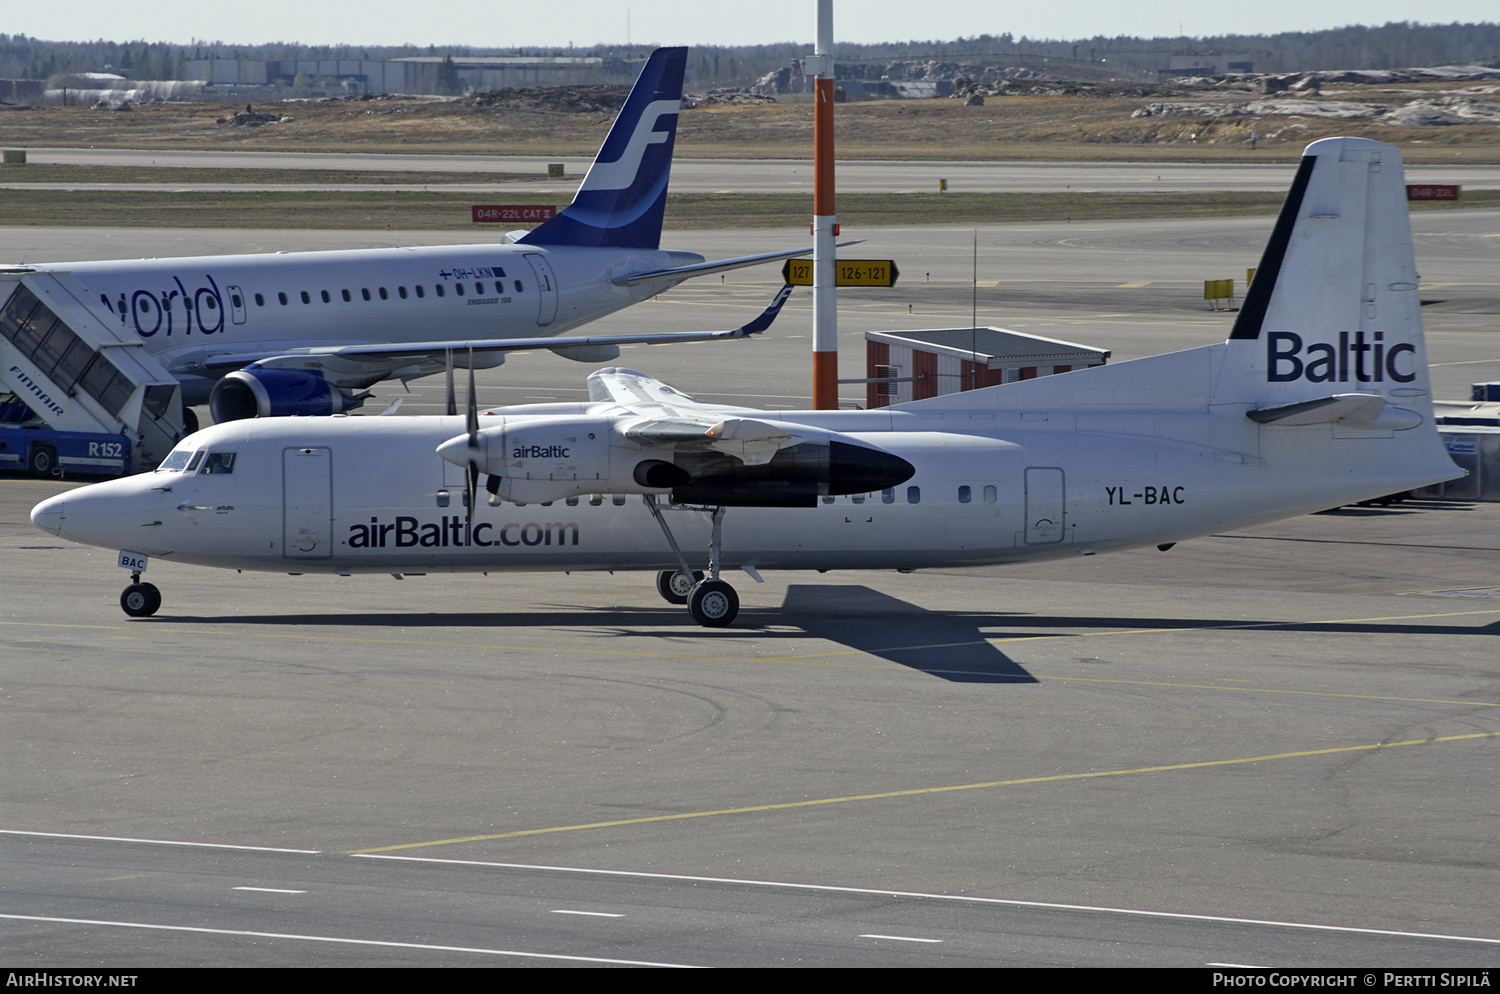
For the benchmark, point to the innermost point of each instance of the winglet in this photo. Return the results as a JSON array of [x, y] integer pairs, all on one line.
[[622, 199], [760, 323]]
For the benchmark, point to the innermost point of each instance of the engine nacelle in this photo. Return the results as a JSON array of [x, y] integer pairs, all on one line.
[[541, 459], [271, 393]]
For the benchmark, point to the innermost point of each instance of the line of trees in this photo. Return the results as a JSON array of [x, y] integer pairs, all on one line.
[[1387, 46]]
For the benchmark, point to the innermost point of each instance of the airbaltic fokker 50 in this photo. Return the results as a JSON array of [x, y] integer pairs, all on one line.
[[300, 333], [1319, 397]]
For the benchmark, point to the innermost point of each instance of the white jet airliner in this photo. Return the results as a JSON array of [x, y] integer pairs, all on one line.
[[1319, 397], [301, 333]]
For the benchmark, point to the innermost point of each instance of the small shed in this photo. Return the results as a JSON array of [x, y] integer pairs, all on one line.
[[913, 365]]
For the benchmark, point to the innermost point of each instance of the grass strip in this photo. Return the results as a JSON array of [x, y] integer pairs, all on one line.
[[446, 211]]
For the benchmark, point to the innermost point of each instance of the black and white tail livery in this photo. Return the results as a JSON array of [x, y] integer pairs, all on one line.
[[1320, 396]]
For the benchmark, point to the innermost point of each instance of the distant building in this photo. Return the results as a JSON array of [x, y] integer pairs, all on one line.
[[418, 74], [914, 365], [1211, 64]]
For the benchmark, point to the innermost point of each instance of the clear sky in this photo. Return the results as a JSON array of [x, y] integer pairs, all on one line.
[[727, 22]]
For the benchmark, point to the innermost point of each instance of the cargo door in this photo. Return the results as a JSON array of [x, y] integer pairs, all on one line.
[[307, 502], [1045, 506]]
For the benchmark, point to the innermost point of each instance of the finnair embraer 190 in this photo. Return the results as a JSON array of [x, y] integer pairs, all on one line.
[[300, 333], [1319, 397]]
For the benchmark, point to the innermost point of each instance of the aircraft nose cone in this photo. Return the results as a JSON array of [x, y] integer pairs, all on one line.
[[48, 515]]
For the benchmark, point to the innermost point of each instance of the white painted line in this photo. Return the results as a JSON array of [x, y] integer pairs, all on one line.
[[591, 914], [354, 942], [157, 842], [271, 890], [1236, 966], [962, 898], [899, 938]]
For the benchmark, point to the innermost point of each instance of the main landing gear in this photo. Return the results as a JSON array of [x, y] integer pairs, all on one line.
[[140, 600], [712, 602]]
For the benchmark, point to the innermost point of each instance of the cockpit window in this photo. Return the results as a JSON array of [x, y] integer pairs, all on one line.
[[220, 463], [197, 458], [175, 461]]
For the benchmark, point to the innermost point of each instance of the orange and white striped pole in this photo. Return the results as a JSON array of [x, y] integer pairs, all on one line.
[[825, 223]]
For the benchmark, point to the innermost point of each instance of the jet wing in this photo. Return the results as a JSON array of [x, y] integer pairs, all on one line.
[[679, 273], [584, 348]]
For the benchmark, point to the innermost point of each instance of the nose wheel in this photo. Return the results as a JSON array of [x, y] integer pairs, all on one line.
[[140, 600]]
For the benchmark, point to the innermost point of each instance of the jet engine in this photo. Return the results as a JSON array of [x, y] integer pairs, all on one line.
[[270, 393]]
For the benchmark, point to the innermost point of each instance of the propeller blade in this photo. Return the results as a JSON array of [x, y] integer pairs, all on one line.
[[471, 484], [473, 411], [452, 401]]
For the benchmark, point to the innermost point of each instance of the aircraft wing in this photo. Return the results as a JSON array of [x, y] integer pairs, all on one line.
[[584, 348], [679, 273]]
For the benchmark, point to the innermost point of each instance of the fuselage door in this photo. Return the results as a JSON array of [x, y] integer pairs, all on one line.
[[1045, 502], [236, 304], [307, 502], [547, 284]]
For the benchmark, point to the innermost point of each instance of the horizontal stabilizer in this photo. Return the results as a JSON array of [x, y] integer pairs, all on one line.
[[1355, 410]]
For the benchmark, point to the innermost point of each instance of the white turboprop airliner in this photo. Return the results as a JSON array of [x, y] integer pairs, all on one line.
[[300, 333], [1319, 397]]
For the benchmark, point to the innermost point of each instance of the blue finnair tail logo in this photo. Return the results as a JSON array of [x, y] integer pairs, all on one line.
[[1353, 358], [624, 195], [621, 173]]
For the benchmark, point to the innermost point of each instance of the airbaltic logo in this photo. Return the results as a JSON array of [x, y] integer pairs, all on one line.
[[540, 452], [1320, 362], [172, 309], [409, 533]]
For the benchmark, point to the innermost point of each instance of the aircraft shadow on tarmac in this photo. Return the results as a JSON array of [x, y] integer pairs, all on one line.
[[951, 645]]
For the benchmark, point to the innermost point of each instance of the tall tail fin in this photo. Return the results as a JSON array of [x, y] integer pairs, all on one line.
[[622, 199], [1333, 308]]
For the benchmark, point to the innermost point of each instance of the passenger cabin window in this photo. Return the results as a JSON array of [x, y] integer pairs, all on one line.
[[479, 287], [402, 291], [420, 291], [281, 297], [619, 499], [260, 301], [324, 295], [458, 288], [439, 288], [888, 495], [519, 288], [305, 298], [384, 295], [595, 500], [989, 494], [218, 464], [364, 292], [346, 296], [965, 495], [914, 495], [571, 502]]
